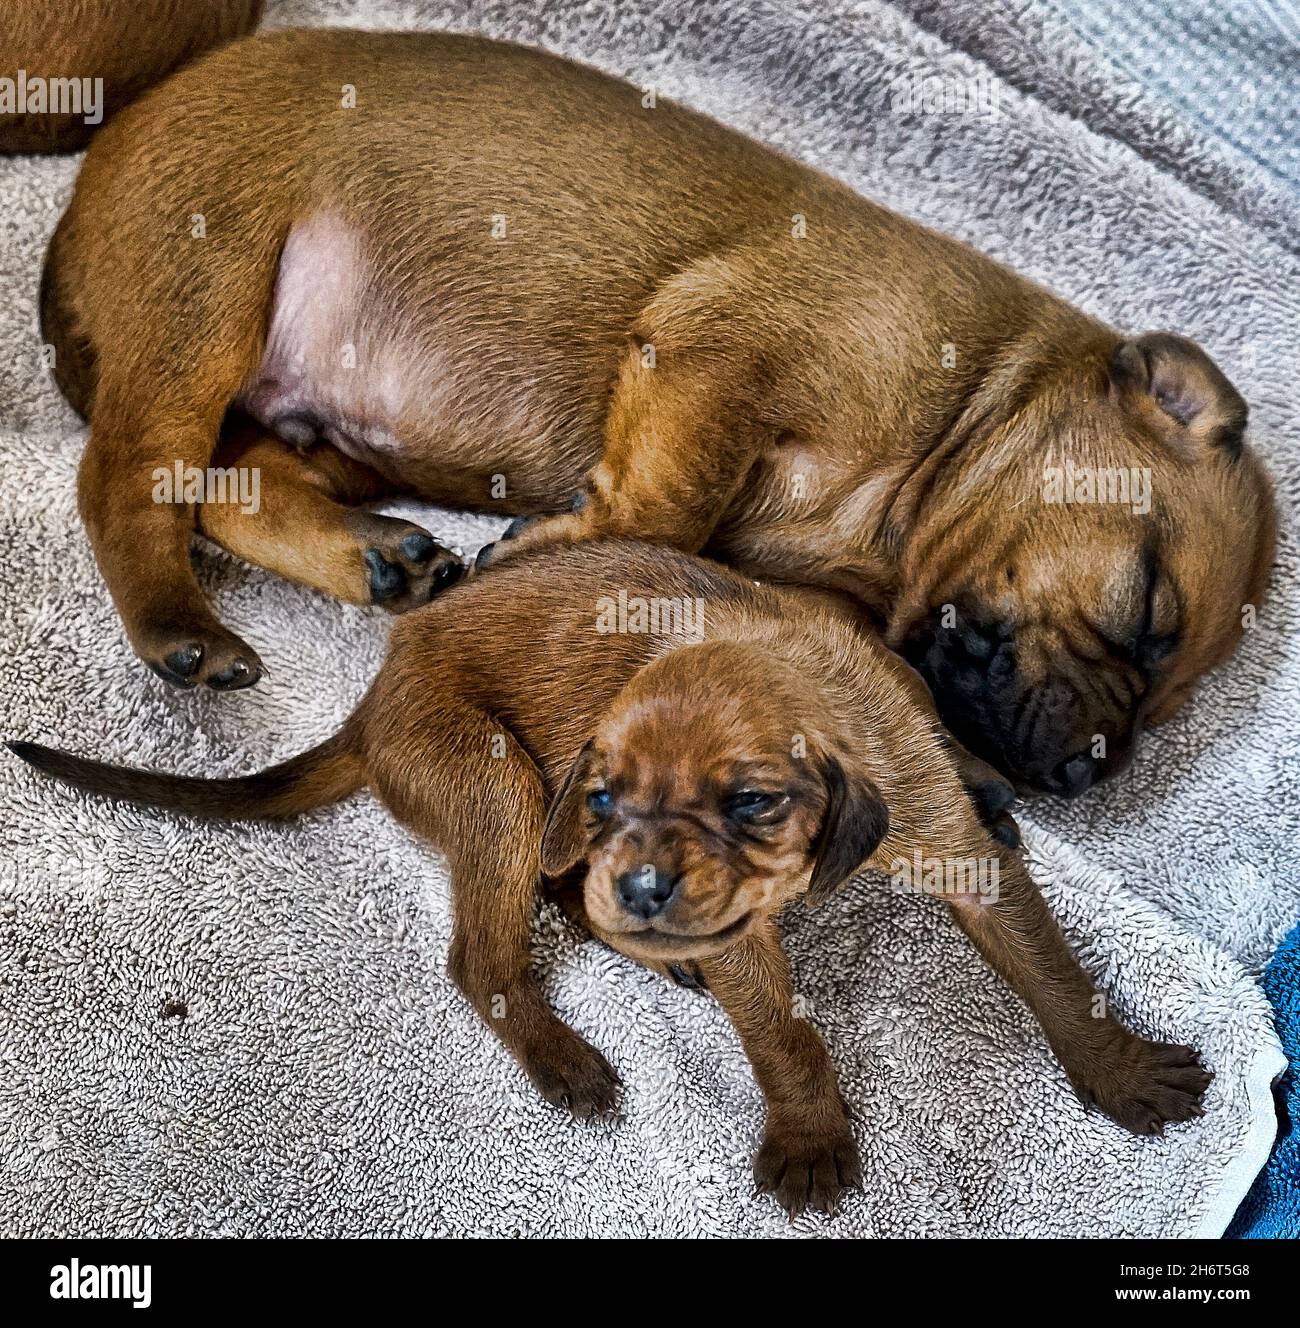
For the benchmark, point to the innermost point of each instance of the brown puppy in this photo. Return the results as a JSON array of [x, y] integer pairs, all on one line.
[[80, 60], [442, 265], [710, 749]]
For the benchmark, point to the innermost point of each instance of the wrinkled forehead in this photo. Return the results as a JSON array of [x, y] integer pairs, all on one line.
[[1110, 477], [663, 747], [1097, 544]]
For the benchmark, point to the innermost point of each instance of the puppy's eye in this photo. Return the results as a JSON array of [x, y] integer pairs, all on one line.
[[601, 801], [750, 804]]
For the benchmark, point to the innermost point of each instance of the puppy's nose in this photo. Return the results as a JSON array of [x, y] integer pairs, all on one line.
[[646, 890], [1074, 776]]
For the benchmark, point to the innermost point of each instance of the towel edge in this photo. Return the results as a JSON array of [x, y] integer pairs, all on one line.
[[1240, 1173]]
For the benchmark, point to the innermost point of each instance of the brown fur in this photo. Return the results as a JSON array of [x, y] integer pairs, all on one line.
[[130, 44], [714, 346], [467, 737]]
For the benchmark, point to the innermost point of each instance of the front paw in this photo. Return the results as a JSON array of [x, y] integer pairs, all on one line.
[[1143, 1085], [993, 797], [807, 1166], [570, 1073]]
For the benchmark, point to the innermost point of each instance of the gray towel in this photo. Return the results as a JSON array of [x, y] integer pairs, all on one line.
[[238, 1030]]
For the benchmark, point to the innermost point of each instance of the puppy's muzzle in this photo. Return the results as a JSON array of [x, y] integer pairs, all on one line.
[[1040, 737]]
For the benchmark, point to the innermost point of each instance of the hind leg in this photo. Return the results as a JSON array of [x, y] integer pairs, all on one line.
[[306, 525], [141, 525], [472, 790], [173, 325]]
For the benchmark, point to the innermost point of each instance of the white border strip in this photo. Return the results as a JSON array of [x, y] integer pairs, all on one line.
[[1240, 1173]]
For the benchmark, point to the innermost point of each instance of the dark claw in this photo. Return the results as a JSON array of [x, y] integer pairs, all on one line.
[[691, 978], [517, 526], [419, 547], [386, 579], [447, 575], [232, 679], [168, 676], [184, 663], [578, 501]]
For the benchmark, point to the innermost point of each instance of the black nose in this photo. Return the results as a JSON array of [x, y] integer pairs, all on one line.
[[646, 890], [1075, 776]]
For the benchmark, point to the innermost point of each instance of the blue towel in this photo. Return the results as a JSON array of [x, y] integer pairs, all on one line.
[[1231, 69], [1272, 1208]]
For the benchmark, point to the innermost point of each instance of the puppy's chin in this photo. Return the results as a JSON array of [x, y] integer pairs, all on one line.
[[659, 943]]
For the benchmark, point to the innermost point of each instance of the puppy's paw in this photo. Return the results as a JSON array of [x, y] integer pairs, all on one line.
[[993, 796], [570, 1073], [803, 1167], [1005, 829], [526, 534], [201, 655], [1145, 1086], [404, 565]]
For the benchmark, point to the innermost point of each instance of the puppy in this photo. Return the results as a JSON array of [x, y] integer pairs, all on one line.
[[710, 750], [364, 264], [125, 45]]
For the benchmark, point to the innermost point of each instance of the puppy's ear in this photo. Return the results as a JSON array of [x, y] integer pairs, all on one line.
[[1191, 390], [562, 837], [855, 821]]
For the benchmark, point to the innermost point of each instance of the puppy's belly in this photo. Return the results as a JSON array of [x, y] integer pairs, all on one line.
[[410, 390]]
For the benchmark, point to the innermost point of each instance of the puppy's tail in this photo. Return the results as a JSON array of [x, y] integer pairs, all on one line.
[[317, 777]]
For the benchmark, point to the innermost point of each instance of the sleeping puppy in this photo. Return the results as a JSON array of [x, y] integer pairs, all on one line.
[[709, 750], [361, 264]]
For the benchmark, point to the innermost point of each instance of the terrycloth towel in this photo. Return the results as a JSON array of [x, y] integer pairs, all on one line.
[[1272, 1209], [1230, 70], [1203, 91], [248, 1029]]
